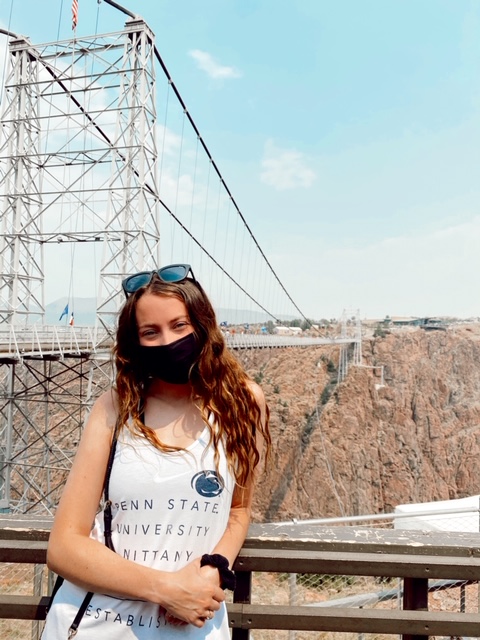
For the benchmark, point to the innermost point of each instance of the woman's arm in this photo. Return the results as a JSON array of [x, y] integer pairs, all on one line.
[[89, 563], [240, 512], [236, 530]]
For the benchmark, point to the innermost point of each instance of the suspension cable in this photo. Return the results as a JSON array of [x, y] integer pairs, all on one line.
[[207, 151]]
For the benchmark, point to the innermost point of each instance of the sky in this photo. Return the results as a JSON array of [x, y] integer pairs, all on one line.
[[348, 133]]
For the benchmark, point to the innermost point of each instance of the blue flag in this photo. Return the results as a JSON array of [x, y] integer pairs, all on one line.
[[64, 312]]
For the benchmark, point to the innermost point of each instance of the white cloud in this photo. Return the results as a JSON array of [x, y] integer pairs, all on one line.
[[285, 168], [207, 63]]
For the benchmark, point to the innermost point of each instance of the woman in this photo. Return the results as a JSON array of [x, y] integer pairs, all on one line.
[[189, 427]]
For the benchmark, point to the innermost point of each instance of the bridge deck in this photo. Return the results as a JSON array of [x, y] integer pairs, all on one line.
[[56, 342]]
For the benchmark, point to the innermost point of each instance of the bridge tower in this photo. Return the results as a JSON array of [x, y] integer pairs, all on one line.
[[351, 327], [78, 165], [21, 255]]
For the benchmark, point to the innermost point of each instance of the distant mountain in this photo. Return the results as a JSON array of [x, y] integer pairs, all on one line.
[[84, 310]]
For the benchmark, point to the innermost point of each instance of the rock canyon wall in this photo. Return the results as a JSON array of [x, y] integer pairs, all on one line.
[[359, 447]]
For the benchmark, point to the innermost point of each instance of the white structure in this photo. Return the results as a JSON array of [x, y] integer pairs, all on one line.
[[462, 514]]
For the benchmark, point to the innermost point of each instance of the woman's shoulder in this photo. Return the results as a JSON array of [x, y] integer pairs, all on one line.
[[105, 410], [108, 400], [257, 393]]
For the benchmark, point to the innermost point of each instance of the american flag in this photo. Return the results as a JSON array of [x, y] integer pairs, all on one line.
[[74, 14]]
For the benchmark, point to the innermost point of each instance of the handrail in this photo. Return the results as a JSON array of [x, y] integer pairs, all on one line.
[[412, 555], [25, 341], [19, 341]]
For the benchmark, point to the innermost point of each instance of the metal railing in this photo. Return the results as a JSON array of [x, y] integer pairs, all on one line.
[[22, 341], [253, 340], [25, 341]]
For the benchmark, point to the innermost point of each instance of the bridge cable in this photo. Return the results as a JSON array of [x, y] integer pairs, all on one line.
[[156, 195], [8, 33], [169, 78], [85, 113], [100, 131], [207, 151]]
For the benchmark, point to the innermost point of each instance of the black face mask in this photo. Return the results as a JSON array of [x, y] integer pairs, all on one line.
[[171, 362]]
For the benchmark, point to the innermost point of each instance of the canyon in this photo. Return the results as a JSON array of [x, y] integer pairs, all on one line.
[[372, 441]]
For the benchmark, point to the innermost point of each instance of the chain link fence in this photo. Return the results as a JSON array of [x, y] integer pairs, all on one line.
[[23, 579], [351, 591]]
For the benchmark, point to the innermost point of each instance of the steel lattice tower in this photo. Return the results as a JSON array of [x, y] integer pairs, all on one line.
[[78, 163], [132, 219], [21, 255]]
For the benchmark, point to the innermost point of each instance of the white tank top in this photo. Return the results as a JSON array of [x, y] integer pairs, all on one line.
[[168, 509]]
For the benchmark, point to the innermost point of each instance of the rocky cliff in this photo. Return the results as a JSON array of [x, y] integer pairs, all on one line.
[[361, 447]]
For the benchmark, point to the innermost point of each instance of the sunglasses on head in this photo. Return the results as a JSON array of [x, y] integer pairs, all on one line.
[[171, 273]]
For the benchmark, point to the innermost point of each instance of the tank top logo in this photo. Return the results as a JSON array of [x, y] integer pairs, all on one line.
[[209, 484]]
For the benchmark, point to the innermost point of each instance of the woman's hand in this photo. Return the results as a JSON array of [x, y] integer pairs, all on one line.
[[211, 574], [194, 595]]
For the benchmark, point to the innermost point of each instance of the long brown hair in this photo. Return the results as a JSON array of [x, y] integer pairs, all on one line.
[[220, 386]]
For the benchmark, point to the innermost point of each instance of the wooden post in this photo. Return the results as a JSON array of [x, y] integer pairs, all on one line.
[[242, 595], [415, 598]]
